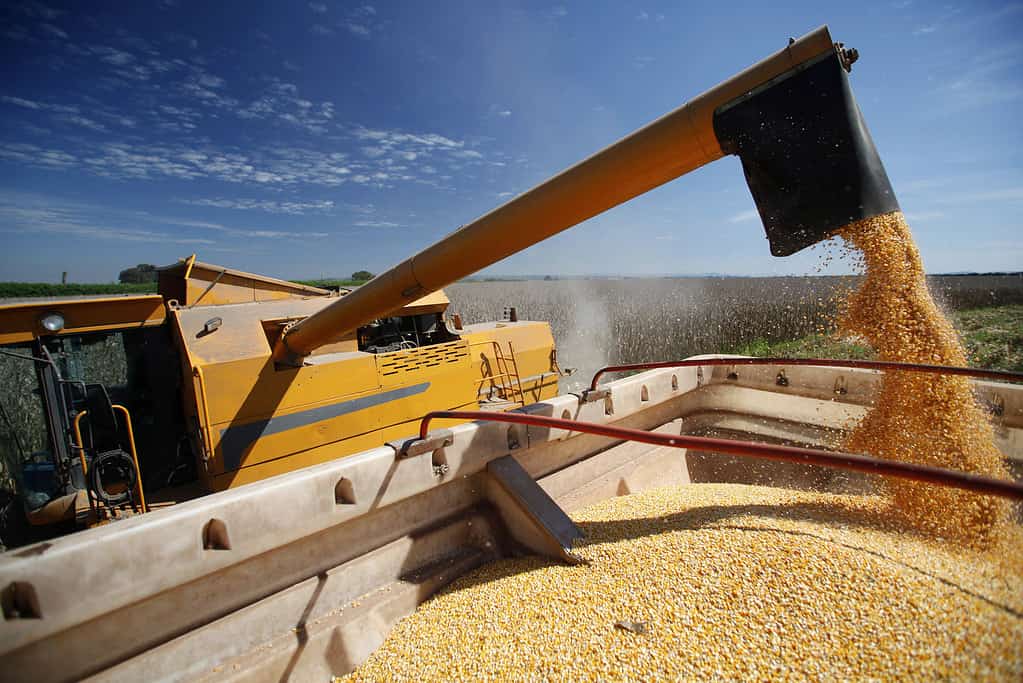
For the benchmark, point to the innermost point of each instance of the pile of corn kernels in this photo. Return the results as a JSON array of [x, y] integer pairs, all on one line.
[[921, 418], [718, 581]]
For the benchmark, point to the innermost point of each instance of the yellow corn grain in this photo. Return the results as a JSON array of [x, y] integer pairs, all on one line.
[[729, 582], [927, 419]]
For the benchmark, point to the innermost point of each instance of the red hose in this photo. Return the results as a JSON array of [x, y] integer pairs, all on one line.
[[1001, 375], [804, 456]]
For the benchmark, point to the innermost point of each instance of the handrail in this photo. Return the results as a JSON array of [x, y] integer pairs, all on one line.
[[205, 426], [1001, 375], [80, 445], [805, 456], [134, 456]]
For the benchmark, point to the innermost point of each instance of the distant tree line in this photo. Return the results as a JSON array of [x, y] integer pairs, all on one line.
[[137, 275]]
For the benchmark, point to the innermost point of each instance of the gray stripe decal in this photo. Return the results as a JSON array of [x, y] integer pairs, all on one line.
[[234, 441]]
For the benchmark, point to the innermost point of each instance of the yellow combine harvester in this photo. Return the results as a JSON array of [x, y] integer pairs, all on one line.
[[135, 398]]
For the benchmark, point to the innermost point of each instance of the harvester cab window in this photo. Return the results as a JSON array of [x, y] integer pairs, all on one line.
[[402, 333], [93, 358], [26, 460]]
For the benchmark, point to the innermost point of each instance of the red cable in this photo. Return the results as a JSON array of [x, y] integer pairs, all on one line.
[[805, 456]]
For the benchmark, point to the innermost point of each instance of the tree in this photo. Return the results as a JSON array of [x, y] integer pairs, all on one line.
[[362, 275], [143, 272]]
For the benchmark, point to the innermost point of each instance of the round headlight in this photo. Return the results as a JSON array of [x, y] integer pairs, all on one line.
[[52, 322]]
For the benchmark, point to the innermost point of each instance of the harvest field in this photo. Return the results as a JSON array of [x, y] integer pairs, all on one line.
[[609, 321]]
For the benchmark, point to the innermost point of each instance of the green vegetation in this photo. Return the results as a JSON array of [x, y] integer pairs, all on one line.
[[359, 277], [25, 290], [20, 290], [331, 283], [143, 272], [814, 346], [993, 337]]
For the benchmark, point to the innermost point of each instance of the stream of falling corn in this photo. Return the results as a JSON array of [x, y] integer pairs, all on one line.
[[927, 419], [718, 581], [725, 581]]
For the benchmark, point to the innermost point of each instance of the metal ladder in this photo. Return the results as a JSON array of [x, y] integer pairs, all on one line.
[[507, 369]]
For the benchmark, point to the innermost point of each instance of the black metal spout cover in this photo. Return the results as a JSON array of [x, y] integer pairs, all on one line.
[[808, 157]]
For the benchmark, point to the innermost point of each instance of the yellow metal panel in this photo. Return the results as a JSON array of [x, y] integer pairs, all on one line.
[[245, 389], [315, 456], [226, 285], [402, 367], [282, 433], [19, 323]]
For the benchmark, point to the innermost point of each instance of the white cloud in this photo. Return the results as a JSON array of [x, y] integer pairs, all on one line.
[[209, 80], [82, 121], [53, 31], [361, 21], [44, 215], [923, 215], [642, 16], [924, 30], [32, 104], [1008, 194], [318, 7], [280, 101], [376, 224], [33, 155], [295, 208], [744, 216], [37, 10], [112, 55]]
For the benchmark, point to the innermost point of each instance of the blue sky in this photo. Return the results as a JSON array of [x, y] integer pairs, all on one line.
[[308, 139]]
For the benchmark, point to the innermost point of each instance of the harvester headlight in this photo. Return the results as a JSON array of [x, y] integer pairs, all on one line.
[[52, 322]]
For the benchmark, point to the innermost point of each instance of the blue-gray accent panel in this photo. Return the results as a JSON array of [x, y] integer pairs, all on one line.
[[234, 441]]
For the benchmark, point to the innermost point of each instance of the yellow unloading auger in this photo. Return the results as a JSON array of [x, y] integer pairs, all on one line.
[[807, 155]]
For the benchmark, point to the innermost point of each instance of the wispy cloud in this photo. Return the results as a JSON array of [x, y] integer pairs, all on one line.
[[920, 216], [33, 104], [53, 31], [33, 155], [280, 101], [986, 78], [46, 216], [1008, 194], [361, 21], [744, 216], [376, 224], [295, 208], [29, 212], [318, 7], [924, 30]]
